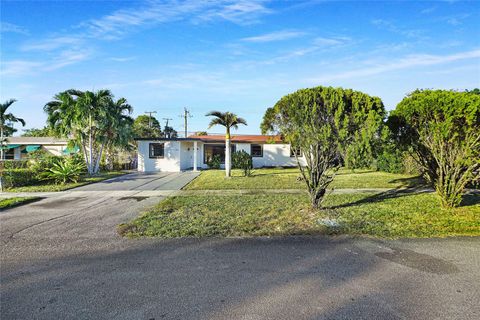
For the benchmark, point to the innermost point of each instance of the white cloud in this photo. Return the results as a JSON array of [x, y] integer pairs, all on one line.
[[64, 58], [17, 67], [392, 27], [409, 61], [53, 43], [122, 59], [330, 42], [10, 27], [119, 23], [275, 36]]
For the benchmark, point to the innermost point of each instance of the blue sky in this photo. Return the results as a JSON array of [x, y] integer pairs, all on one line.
[[235, 55]]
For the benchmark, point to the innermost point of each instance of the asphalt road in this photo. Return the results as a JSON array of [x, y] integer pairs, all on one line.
[[62, 259]]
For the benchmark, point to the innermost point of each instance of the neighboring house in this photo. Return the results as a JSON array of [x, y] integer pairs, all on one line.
[[18, 148], [194, 152]]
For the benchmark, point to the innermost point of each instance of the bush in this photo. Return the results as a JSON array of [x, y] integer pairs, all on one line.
[[214, 162], [242, 160], [391, 160], [18, 178], [442, 129], [15, 164], [65, 170], [40, 162]]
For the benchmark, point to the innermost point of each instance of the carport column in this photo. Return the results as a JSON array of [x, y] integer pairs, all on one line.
[[194, 155]]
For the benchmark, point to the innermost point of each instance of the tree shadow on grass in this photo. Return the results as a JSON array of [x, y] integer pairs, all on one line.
[[379, 197], [470, 199], [412, 182]]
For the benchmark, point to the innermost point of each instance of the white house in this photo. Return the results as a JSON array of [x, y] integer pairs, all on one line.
[[18, 148], [193, 153]]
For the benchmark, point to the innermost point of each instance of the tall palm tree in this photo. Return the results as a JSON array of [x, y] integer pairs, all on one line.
[[118, 127], [4, 118], [82, 117], [228, 120]]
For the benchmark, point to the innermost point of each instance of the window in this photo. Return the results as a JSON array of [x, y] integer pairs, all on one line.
[[294, 151], [210, 150], [157, 150], [256, 150]]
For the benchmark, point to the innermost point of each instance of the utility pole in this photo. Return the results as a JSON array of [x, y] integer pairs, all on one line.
[[166, 126], [150, 117], [185, 116]]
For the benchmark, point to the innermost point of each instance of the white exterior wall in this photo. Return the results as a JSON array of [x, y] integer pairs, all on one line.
[[56, 150], [275, 155], [169, 163]]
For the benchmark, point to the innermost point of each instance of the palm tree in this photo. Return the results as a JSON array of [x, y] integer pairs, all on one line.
[[118, 128], [4, 117], [228, 120], [84, 117]]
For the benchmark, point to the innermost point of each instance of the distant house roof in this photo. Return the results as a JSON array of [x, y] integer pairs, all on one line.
[[36, 140], [250, 138]]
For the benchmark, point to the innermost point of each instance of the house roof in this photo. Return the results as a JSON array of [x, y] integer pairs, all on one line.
[[36, 140], [251, 138]]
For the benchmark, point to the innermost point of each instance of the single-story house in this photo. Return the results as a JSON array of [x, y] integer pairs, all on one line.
[[194, 152], [18, 148]]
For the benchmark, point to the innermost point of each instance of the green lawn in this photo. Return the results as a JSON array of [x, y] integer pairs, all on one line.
[[17, 201], [52, 187], [278, 178], [401, 215]]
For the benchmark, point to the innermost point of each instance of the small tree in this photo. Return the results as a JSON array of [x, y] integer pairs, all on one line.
[[242, 160], [442, 128], [318, 122]]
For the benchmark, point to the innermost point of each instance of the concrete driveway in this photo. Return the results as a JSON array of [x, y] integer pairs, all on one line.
[[62, 259]]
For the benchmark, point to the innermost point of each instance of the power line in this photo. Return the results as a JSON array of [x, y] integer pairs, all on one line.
[[150, 117], [186, 114], [166, 127]]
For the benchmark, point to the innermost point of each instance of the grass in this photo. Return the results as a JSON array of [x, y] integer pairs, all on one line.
[[16, 201], [278, 178], [378, 215], [52, 187]]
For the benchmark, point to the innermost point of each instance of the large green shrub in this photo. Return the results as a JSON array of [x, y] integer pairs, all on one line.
[[15, 164], [442, 129], [18, 178], [242, 160], [214, 162], [326, 124], [65, 170]]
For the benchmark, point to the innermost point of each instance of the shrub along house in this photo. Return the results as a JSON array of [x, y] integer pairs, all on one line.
[[194, 152]]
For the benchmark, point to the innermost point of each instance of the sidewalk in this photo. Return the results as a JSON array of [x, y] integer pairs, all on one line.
[[164, 193]]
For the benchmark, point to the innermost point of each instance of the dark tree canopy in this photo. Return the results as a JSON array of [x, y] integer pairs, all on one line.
[[442, 129]]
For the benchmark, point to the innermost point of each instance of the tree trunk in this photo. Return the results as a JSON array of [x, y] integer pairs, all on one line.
[[99, 159], [316, 198], [227, 155], [90, 146], [1, 143]]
